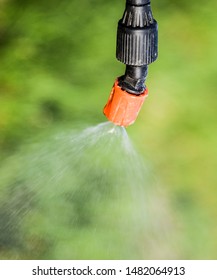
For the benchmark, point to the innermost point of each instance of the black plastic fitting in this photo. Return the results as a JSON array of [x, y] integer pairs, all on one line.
[[137, 44], [134, 79]]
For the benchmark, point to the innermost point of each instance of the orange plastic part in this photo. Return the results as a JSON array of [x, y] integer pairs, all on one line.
[[122, 107]]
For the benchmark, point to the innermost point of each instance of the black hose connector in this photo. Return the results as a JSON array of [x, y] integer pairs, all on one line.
[[138, 2], [137, 44]]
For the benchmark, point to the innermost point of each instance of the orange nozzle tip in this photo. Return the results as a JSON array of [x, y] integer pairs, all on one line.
[[122, 107]]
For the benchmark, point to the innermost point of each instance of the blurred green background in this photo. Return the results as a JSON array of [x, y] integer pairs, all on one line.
[[57, 67]]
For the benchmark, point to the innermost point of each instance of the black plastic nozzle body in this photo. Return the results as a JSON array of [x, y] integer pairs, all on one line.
[[137, 44]]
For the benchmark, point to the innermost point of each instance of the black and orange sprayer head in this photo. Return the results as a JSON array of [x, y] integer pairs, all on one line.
[[137, 47]]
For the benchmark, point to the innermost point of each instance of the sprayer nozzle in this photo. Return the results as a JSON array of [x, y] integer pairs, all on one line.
[[137, 47], [122, 107]]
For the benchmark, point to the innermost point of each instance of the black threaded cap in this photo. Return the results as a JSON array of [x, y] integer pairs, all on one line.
[[137, 35], [137, 47]]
